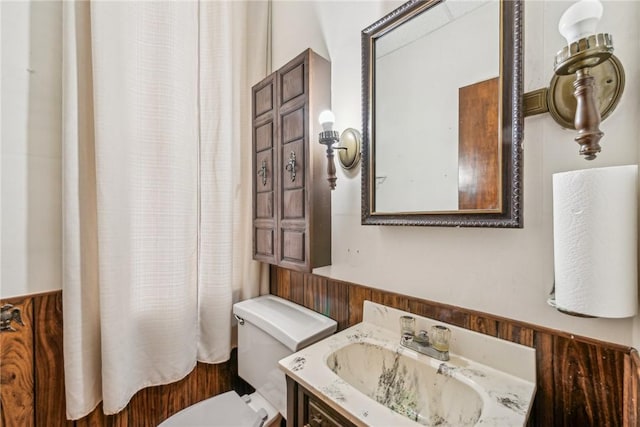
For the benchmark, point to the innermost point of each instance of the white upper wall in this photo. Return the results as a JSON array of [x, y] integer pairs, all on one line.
[[504, 272], [31, 51], [499, 271]]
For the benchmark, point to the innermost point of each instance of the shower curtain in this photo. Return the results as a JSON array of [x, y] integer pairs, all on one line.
[[156, 199]]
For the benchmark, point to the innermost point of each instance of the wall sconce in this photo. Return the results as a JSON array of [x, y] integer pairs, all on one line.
[[348, 150], [587, 65]]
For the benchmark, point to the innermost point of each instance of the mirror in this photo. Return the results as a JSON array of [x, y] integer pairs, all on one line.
[[442, 115]]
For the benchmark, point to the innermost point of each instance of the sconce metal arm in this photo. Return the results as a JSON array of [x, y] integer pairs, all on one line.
[[596, 76], [587, 119], [328, 138]]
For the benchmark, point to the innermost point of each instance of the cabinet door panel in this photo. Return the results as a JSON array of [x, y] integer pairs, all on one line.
[[293, 245], [292, 83], [263, 100], [264, 241], [293, 125], [264, 136], [293, 204], [264, 205]]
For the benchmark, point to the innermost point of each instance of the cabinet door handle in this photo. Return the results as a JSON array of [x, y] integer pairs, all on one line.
[[263, 172], [291, 166]]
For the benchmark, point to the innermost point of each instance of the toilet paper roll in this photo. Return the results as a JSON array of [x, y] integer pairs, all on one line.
[[595, 241]]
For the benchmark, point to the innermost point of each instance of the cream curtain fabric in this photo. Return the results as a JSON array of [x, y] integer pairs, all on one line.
[[157, 234]]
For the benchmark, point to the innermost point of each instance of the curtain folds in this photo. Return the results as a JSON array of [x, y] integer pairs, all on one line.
[[156, 192]]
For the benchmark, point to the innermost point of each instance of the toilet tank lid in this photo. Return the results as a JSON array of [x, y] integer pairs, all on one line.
[[293, 325]]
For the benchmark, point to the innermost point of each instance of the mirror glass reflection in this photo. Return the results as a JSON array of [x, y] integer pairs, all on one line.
[[442, 115], [436, 107]]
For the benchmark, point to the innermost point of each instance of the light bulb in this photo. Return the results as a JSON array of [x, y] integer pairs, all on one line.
[[580, 20], [327, 119]]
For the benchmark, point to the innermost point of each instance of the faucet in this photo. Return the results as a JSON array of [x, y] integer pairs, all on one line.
[[438, 349]]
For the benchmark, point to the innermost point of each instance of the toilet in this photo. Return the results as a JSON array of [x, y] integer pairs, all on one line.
[[269, 329]]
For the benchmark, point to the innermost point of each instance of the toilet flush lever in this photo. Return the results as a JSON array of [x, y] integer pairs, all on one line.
[[239, 319]]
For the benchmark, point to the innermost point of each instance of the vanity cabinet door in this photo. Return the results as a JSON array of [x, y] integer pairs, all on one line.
[[317, 416], [292, 199], [309, 411]]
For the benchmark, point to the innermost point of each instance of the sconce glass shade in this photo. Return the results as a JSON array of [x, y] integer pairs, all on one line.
[[580, 20], [327, 119]]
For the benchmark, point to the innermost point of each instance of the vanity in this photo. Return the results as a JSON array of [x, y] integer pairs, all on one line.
[[363, 376]]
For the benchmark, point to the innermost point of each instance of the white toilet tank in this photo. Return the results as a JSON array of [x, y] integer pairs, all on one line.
[[269, 329]]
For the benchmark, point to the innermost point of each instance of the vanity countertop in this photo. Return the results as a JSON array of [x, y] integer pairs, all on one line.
[[507, 389]]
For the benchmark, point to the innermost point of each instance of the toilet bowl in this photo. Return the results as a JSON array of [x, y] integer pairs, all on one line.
[[269, 329]]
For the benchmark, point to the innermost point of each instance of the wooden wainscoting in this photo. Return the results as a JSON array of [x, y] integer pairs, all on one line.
[[581, 381], [32, 376]]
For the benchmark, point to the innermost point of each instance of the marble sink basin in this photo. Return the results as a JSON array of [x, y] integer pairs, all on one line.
[[366, 376], [429, 395]]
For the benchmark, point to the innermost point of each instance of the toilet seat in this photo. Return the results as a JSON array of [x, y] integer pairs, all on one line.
[[224, 410]]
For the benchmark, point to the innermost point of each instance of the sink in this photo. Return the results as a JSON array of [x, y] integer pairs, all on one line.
[[430, 395], [370, 379]]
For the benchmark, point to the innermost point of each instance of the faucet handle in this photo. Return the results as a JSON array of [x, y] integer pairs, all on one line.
[[422, 337], [440, 335], [407, 326]]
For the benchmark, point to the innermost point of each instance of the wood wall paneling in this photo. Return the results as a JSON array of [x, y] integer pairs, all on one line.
[[390, 299], [152, 405], [516, 333], [287, 284], [32, 393], [580, 381], [296, 290], [315, 293], [338, 302], [357, 296], [49, 393], [632, 378], [17, 406], [588, 382], [543, 405], [483, 325], [443, 313]]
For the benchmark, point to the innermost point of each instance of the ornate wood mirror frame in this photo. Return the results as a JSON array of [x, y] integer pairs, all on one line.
[[507, 209]]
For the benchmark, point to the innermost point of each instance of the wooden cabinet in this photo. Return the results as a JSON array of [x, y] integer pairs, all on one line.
[[306, 410], [291, 197]]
